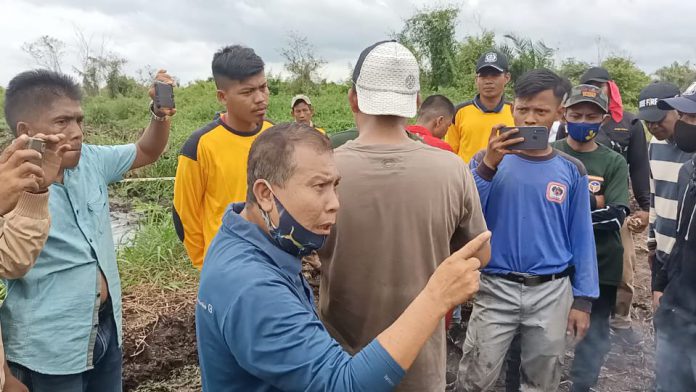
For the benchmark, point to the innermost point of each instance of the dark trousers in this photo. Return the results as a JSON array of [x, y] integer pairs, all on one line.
[[591, 351], [106, 376], [675, 362]]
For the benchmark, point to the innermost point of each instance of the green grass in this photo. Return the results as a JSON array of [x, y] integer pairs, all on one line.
[[156, 255]]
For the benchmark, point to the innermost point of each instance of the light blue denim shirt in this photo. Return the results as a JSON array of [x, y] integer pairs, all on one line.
[[50, 317]]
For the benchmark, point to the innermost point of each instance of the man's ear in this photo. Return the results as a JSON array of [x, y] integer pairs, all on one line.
[[22, 129], [560, 113], [222, 97], [353, 100], [508, 77], [439, 121], [263, 195], [605, 119]]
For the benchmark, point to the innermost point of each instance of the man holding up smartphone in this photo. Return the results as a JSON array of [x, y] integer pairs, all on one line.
[[63, 319], [542, 275], [586, 110]]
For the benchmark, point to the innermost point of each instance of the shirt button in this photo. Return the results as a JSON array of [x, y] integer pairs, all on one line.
[[98, 295], [90, 241]]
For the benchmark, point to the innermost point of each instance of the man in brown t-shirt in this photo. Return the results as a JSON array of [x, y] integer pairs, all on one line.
[[404, 205]]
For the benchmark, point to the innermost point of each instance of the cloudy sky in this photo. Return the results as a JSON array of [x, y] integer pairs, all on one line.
[[182, 35]]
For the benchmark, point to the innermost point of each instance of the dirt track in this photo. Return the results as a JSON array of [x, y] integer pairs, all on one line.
[[160, 344]]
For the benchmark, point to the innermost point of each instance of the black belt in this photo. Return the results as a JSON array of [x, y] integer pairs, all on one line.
[[536, 280]]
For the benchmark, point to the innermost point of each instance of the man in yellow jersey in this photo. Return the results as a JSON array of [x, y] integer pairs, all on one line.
[[213, 161], [474, 119], [302, 111]]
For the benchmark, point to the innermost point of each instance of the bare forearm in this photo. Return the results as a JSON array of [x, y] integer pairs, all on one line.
[[404, 339], [152, 143]]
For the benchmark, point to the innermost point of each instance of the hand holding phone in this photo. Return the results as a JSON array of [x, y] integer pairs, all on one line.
[[499, 144], [162, 94], [535, 138]]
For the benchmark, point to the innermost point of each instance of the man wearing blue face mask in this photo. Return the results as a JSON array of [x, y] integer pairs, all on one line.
[[585, 110], [256, 325]]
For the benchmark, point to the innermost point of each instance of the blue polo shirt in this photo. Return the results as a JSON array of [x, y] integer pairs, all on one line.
[[257, 328], [50, 317]]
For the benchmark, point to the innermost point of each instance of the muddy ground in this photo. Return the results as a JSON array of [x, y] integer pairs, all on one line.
[[160, 344]]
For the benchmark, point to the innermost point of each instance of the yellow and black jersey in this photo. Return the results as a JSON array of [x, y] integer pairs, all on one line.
[[211, 174], [472, 126]]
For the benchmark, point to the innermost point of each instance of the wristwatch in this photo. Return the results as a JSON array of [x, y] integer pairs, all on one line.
[[154, 115]]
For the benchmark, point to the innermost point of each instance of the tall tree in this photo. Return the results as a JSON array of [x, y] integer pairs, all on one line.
[[525, 54], [628, 77], [680, 74], [301, 62], [573, 69], [46, 51], [430, 34]]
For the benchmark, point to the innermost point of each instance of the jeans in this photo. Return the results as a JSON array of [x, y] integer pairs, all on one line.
[[675, 362], [591, 351], [106, 376]]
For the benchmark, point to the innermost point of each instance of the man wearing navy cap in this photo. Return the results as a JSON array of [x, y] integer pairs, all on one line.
[[666, 159], [474, 119], [676, 314]]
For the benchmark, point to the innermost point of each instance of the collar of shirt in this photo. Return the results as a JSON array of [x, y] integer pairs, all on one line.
[[497, 109], [419, 130], [234, 224]]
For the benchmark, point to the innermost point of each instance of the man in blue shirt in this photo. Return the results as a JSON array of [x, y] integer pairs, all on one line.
[[256, 325], [63, 319], [543, 270]]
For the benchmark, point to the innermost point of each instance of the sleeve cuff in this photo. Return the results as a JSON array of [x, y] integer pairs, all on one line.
[[32, 205], [485, 172], [582, 304], [382, 366]]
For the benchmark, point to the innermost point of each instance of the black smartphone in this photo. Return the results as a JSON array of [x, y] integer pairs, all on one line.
[[535, 138], [164, 95], [37, 145]]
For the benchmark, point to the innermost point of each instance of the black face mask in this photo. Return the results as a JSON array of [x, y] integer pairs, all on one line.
[[685, 136]]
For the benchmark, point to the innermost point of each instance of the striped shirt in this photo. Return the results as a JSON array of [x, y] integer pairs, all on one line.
[[665, 161]]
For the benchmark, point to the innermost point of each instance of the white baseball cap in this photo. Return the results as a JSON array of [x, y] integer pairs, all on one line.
[[300, 97], [386, 79]]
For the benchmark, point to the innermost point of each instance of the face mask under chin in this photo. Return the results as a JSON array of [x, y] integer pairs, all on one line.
[[289, 235]]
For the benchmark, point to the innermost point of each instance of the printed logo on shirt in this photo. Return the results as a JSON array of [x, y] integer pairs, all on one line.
[[595, 183], [207, 307], [556, 192]]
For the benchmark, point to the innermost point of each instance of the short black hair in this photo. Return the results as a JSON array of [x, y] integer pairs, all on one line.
[[235, 62], [271, 155], [33, 90], [538, 80], [436, 105]]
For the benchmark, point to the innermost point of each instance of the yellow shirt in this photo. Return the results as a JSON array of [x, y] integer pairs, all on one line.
[[472, 126], [211, 174]]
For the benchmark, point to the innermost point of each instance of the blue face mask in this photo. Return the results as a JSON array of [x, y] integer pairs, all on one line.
[[290, 235], [582, 132]]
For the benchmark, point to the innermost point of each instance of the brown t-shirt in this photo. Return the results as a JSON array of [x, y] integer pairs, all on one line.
[[402, 207]]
